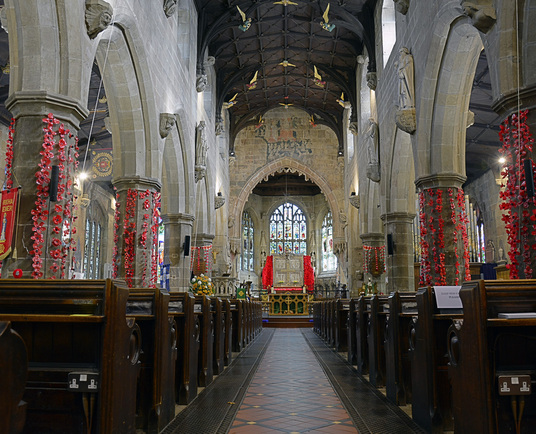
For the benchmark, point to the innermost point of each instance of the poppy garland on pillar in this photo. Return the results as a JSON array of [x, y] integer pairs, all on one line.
[[200, 260], [150, 204], [62, 214], [519, 207], [432, 228], [374, 260]]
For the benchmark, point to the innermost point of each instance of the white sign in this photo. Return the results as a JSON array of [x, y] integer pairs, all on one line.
[[448, 297]]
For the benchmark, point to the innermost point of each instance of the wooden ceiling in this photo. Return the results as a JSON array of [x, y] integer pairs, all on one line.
[[268, 60]]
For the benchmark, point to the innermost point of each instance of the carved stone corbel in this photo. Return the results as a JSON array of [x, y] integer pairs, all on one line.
[[353, 128], [219, 201], [372, 79], [167, 122], [170, 6], [406, 120], [402, 6], [98, 17], [482, 14], [201, 82]]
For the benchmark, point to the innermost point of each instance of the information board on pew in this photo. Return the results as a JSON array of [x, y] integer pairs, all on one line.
[[448, 298]]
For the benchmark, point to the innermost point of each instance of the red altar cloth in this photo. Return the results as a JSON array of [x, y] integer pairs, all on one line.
[[297, 289]]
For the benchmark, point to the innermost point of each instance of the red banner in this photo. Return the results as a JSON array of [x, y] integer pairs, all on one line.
[[8, 213]]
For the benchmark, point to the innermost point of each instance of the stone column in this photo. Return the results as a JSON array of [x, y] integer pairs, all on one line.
[[400, 265], [176, 228], [29, 109], [443, 228], [133, 250], [374, 239]]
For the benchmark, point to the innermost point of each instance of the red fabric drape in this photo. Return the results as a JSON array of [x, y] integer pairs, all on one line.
[[308, 274], [268, 272]]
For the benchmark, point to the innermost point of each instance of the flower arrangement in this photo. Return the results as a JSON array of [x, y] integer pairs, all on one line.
[[202, 285]]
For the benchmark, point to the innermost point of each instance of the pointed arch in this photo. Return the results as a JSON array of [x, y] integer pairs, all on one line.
[[278, 165], [126, 76], [444, 101]]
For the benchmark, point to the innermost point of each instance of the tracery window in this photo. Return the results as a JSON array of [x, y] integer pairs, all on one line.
[[247, 242], [92, 250], [329, 260], [288, 230]]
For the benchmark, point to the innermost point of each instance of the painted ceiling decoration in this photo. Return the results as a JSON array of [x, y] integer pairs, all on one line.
[[300, 53]]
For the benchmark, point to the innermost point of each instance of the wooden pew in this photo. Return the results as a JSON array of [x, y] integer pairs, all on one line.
[[156, 383], [181, 306], [341, 310], [228, 344], [203, 310], [351, 332], [237, 312], [75, 331], [377, 310], [361, 336], [220, 325], [402, 309], [431, 391], [485, 347], [13, 374]]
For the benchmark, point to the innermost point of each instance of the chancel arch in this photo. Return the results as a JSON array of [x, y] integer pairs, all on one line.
[[282, 164]]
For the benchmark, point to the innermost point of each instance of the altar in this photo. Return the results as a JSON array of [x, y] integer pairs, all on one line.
[[288, 284], [288, 273]]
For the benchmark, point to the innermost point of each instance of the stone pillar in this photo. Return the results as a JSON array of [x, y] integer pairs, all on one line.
[[176, 228], [29, 109], [400, 264], [373, 239], [133, 251], [443, 228]]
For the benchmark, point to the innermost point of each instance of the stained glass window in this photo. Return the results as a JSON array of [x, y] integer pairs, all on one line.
[[247, 242], [288, 230], [329, 260]]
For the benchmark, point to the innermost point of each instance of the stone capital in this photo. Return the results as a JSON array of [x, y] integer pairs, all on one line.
[[41, 103], [373, 238], [178, 219], [440, 180], [398, 217], [136, 182]]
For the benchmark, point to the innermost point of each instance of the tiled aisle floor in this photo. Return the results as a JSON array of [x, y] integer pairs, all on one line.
[[290, 393]]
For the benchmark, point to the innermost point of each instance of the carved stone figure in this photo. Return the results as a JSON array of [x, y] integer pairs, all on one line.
[[170, 6], [482, 15], [402, 6], [372, 80], [230, 221], [343, 219], [406, 85], [98, 17], [167, 122], [405, 115], [219, 127], [371, 141], [201, 82], [200, 151]]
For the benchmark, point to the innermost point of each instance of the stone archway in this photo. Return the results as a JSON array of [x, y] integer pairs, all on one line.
[[271, 168]]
